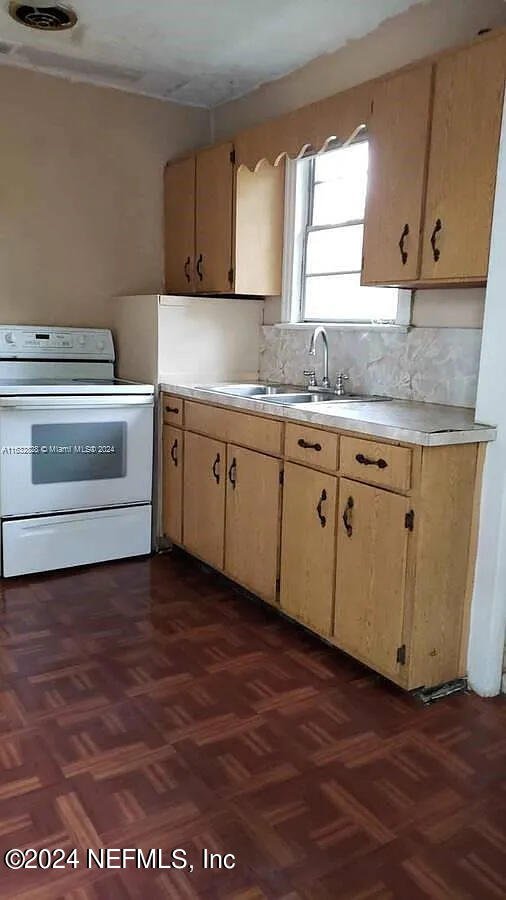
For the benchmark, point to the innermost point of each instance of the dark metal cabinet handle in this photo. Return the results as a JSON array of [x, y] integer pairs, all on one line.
[[404, 253], [173, 453], [436, 252], [216, 472], [232, 473], [347, 516], [307, 446], [199, 267], [365, 461], [172, 409], [187, 269], [322, 518]]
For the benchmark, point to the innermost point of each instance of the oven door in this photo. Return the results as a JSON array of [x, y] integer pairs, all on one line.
[[59, 454]]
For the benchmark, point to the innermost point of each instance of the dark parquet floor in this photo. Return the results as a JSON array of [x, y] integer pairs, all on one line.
[[145, 704]]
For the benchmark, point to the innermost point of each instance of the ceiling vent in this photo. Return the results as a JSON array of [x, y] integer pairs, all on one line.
[[45, 18]]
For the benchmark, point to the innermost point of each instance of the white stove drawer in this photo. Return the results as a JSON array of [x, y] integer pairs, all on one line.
[[59, 542]]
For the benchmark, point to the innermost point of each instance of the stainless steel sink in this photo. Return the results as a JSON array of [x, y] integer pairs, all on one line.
[[285, 394], [320, 397], [259, 390]]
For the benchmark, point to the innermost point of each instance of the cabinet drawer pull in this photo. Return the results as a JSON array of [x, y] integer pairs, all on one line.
[[307, 446], [172, 409], [347, 516], [322, 518], [365, 461], [173, 453], [199, 267], [187, 269], [232, 473], [436, 252], [404, 253], [216, 472]]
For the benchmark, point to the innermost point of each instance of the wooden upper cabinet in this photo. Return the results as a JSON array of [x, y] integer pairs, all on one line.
[[258, 232], [180, 225], [223, 225], [214, 212], [469, 86], [399, 135]]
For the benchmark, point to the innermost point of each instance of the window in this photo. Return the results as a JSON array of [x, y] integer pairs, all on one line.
[[328, 231]]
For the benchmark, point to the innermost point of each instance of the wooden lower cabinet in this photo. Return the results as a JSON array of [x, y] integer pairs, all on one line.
[[372, 548], [173, 483], [308, 547], [204, 498], [253, 504], [383, 570]]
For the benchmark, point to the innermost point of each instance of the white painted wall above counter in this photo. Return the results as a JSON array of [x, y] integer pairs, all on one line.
[[164, 337]]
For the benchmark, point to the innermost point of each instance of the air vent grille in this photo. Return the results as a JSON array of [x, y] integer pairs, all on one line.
[[45, 18]]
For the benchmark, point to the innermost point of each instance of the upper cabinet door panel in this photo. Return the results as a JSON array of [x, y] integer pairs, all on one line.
[[259, 211], [466, 124], [180, 225], [399, 135], [214, 210]]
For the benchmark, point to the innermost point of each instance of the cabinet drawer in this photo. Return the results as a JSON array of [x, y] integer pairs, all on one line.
[[311, 446], [172, 410], [234, 427], [381, 464]]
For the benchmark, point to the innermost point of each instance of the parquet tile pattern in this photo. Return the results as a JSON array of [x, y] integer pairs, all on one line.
[[145, 704]]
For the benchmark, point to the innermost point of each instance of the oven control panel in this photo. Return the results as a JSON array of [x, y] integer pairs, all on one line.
[[39, 342]]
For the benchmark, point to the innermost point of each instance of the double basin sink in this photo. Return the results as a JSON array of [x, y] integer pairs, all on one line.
[[286, 394]]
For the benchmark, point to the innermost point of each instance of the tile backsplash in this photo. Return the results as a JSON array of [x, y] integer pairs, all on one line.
[[436, 365]]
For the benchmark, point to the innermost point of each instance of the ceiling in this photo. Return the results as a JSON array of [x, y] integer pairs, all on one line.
[[198, 52]]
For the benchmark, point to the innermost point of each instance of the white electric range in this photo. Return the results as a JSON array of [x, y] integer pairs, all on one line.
[[76, 451]]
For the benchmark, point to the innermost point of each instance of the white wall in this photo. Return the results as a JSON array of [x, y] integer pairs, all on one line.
[[488, 618], [208, 339], [81, 198], [422, 30]]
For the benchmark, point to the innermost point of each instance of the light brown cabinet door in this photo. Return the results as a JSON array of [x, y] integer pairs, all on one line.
[[398, 147], [180, 225], [258, 233], [204, 498], [214, 210], [173, 483], [466, 123], [370, 574], [252, 528], [308, 546]]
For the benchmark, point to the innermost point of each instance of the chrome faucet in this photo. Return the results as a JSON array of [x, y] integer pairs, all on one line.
[[320, 332]]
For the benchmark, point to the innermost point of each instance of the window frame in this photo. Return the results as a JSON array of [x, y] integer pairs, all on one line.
[[299, 196]]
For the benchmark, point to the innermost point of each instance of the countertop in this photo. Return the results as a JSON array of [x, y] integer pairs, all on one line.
[[425, 424]]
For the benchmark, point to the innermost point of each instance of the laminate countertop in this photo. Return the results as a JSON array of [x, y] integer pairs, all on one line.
[[426, 424]]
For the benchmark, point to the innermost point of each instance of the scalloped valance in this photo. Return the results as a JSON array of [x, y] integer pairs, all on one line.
[[310, 127]]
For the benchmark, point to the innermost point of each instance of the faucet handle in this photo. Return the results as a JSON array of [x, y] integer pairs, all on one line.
[[311, 374], [340, 380]]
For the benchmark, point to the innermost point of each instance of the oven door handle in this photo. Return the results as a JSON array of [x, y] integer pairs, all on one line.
[[98, 402]]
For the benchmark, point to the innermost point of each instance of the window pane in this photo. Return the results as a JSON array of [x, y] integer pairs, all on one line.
[[336, 250], [336, 202], [341, 194], [341, 297]]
